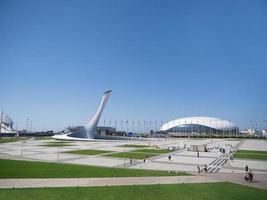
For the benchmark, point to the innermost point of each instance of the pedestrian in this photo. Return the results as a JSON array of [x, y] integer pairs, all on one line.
[[198, 169], [250, 176], [170, 157], [206, 168], [197, 153], [131, 160], [246, 168], [144, 159]]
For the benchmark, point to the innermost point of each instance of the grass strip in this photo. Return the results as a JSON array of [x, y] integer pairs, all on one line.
[[31, 169], [134, 145], [199, 191], [88, 152], [247, 154], [6, 140]]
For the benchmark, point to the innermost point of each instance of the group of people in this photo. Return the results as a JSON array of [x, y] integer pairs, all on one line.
[[205, 169], [248, 176]]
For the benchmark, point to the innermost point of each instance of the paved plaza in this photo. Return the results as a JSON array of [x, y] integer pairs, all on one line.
[[219, 166], [181, 158]]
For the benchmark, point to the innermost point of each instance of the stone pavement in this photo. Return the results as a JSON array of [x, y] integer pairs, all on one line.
[[182, 160], [260, 181], [89, 182]]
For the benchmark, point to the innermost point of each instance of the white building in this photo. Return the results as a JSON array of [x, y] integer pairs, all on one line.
[[6, 124], [200, 126]]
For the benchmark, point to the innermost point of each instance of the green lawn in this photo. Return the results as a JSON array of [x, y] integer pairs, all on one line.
[[43, 138], [56, 144], [139, 153], [88, 152], [14, 139], [131, 154], [30, 169], [134, 145], [199, 191], [158, 151], [247, 154]]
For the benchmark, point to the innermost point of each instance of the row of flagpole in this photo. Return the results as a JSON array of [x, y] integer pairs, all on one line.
[[145, 126]]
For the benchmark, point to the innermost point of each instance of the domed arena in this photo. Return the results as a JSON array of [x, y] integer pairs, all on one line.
[[209, 126]]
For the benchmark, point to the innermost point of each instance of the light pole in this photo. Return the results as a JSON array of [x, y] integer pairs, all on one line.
[[27, 124], [124, 156], [210, 129], [222, 128], [127, 126], [140, 126], [57, 154], [31, 126], [1, 121], [257, 128], [22, 148]]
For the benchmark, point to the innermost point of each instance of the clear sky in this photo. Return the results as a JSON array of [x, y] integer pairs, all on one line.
[[162, 59]]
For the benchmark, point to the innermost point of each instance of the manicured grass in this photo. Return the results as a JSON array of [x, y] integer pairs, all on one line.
[[30, 169], [88, 152], [247, 154], [6, 140], [158, 151], [56, 144], [199, 191], [131, 154], [134, 145], [140, 153], [251, 152]]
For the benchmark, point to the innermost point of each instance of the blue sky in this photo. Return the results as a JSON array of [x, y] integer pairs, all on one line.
[[162, 59]]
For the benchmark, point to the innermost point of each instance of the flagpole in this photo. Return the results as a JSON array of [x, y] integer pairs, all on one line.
[[1, 121]]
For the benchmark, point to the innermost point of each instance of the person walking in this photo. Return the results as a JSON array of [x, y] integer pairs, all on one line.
[[170, 157], [198, 169], [206, 168], [131, 160], [197, 153], [246, 168], [250, 176]]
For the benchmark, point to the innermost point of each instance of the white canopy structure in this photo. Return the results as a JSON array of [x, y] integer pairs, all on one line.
[[200, 125]]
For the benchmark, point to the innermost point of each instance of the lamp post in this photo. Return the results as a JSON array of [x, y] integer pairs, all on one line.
[[57, 155], [22, 148], [257, 128], [31, 126], [222, 128], [1, 121], [127, 126], [124, 156], [210, 128], [27, 125]]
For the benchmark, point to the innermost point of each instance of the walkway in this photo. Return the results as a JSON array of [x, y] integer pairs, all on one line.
[[89, 182]]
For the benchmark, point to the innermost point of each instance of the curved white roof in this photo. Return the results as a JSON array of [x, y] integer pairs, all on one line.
[[211, 122]]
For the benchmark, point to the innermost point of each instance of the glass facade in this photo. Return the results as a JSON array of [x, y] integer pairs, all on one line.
[[202, 130]]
